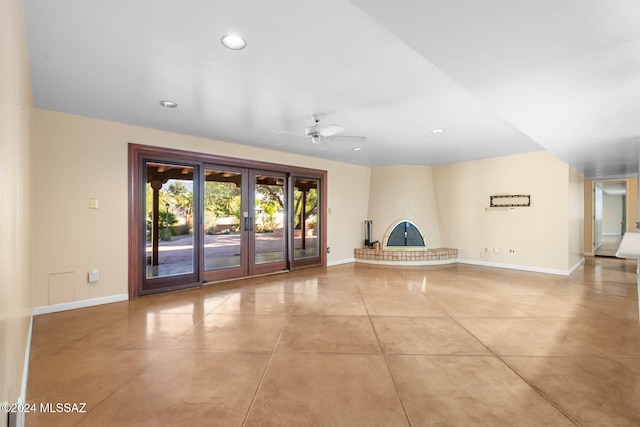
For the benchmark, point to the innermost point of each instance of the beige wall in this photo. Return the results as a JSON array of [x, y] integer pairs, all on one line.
[[403, 192], [588, 218], [77, 158], [632, 204], [15, 149], [576, 217], [539, 234]]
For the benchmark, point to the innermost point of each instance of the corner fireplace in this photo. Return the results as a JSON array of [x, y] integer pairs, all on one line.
[[404, 235], [404, 244]]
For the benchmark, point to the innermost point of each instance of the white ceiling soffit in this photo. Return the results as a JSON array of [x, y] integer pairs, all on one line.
[[614, 188], [501, 76], [565, 73]]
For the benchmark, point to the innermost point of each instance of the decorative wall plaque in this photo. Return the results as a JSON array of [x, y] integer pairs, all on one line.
[[516, 200]]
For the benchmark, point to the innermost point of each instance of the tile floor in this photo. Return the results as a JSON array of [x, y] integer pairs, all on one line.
[[353, 345], [609, 245]]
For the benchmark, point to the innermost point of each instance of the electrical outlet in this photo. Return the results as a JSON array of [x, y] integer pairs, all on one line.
[[94, 276]]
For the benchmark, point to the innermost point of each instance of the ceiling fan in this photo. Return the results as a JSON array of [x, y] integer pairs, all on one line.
[[320, 135]]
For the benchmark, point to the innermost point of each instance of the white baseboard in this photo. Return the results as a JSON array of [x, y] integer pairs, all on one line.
[[79, 304], [340, 261], [576, 266], [523, 267], [25, 375]]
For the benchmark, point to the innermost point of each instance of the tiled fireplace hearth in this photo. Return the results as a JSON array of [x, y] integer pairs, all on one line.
[[433, 256]]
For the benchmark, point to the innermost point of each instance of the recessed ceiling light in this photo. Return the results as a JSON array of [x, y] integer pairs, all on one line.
[[234, 42], [168, 104], [437, 130], [357, 149]]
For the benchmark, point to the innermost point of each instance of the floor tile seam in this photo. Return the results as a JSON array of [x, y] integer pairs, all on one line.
[[539, 391], [386, 363], [596, 310], [604, 354], [55, 349], [328, 293], [85, 336], [458, 316], [410, 317], [219, 304], [182, 313], [440, 354], [212, 315], [329, 315], [266, 368], [282, 314], [264, 291], [533, 356], [499, 354], [343, 353], [130, 379], [217, 350], [104, 326], [180, 336], [573, 337], [532, 386]]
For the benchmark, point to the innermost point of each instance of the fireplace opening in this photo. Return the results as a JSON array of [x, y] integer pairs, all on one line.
[[404, 235]]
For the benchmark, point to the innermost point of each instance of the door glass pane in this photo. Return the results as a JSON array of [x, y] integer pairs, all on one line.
[[169, 220], [269, 219], [305, 241], [222, 215]]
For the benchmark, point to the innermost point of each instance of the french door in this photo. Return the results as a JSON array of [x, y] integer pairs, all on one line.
[[197, 218], [244, 222], [307, 203]]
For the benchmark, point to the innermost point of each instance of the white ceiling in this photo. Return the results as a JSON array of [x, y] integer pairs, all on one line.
[[614, 188], [501, 76]]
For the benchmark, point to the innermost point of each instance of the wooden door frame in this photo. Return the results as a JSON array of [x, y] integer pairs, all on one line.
[[137, 152], [322, 222], [271, 267], [228, 273]]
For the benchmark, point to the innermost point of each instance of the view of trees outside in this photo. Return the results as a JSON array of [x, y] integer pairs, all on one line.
[[223, 211], [175, 212], [222, 222], [310, 208], [222, 206]]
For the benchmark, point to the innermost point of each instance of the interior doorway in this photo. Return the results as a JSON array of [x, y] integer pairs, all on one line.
[[610, 216]]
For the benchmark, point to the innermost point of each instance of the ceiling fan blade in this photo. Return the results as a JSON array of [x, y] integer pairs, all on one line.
[[348, 138], [286, 132], [331, 130], [289, 142], [323, 145]]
